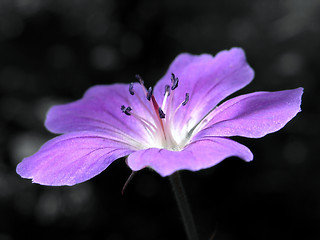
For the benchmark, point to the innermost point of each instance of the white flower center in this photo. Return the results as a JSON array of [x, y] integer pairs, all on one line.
[[160, 128]]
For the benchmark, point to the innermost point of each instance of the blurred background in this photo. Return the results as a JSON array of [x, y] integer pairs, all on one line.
[[52, 51]]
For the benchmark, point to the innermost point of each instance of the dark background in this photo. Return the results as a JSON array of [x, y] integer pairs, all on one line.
[[52, 51]]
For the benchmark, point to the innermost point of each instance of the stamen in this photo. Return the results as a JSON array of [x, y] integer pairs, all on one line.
[[186, 100], [167, 90], [180, 105], [145, 123], [166, 95], [161, 113], [131, 89], [169, 104], [174, 81], [139, 78], [149, 93], [126, 110], [159, 129]]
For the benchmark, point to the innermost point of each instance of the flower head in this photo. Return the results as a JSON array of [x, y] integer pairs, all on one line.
[[176, 125]]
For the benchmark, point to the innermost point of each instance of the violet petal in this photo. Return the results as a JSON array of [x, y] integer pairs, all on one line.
[[72, 158], [207, 79], [100, 110], [253, 115], [197, 155]]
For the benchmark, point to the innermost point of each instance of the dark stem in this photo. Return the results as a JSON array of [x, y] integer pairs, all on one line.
[[183, 204]]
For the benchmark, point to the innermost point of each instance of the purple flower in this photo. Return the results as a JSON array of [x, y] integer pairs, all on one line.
[[176, 125]]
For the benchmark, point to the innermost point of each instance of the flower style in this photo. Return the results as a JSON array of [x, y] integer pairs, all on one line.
[[177, 125]]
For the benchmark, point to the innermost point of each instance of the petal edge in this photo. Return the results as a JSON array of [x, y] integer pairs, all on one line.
[[71, 158], [197, 155], [254, 115]]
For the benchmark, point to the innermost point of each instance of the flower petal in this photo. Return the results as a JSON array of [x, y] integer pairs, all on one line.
[[197, 155], [253, 115], [207, 79], [72, 158], [100, 110]]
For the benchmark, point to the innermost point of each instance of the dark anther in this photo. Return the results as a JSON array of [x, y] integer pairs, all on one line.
[[174, 81], [131, 89], [186, 99], [161, 113], [126, 110], [139, 78], [167, 90], [149, 94]]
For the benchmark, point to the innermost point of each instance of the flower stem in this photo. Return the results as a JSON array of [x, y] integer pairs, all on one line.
[[184, 207]]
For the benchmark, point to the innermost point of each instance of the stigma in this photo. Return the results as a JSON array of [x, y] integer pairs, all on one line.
[[158, 119]]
